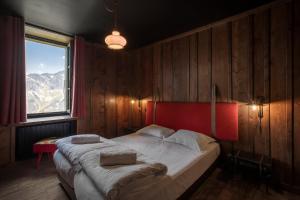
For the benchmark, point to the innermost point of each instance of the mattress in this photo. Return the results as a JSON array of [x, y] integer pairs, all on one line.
[[185, 166]]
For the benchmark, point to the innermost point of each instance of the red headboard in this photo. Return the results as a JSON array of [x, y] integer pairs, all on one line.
[[196, 117]]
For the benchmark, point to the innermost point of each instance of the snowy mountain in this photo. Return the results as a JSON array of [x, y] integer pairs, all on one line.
[[45, 92]]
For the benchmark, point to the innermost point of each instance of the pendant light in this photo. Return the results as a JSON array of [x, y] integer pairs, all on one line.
[[115, 40]]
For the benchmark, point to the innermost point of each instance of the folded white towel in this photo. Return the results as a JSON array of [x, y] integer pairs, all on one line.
[[85, 139], [115, 156]]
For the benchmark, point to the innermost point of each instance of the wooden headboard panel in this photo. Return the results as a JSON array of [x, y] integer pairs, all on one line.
[[196, 117]]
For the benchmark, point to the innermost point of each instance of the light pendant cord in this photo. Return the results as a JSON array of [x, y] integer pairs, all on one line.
[[115, 10]]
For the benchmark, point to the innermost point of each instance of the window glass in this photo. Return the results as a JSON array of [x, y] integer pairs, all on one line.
[[46, 77]]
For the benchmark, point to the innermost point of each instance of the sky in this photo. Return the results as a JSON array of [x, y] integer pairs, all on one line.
[[43, 58]]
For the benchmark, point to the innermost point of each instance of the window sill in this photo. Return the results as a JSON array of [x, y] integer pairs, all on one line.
[[46, 120]]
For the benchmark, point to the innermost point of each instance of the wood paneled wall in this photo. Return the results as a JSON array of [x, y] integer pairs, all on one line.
[[251, 55], [254, 54], [110, 88]]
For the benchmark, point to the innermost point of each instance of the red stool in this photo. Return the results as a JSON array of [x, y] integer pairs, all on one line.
[[44, 146]]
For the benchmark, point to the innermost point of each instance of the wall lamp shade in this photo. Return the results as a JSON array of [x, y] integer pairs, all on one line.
[[115, 41]]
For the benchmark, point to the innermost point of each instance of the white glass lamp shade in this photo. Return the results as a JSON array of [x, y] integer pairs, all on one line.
[[115, 41]]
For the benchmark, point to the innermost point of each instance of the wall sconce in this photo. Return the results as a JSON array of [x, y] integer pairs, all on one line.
[[258, 104], [112, 100], [253, 106], [139, 102]]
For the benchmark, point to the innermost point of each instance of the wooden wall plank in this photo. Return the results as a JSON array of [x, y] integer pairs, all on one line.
[[221, 61], [261, 77], [296, 57], [136, 87], [83, 125], [167, 69], [193, 72], [180, 57], [123, 108], [110, 97], [241, 56], [98, 98], [147, 64], [280, 98], [241, 70], [157, 72], [147, 92], [204, 65], [122, 100]]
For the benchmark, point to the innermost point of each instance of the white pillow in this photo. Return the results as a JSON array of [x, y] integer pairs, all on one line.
[[193, 140], [156, 131]]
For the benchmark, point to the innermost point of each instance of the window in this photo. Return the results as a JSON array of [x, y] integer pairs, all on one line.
[[47, 77]]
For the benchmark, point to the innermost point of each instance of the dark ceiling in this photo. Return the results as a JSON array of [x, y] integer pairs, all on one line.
[[140, 21]]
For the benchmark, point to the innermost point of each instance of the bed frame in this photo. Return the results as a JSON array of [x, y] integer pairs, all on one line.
[[66, 187], [188, 193]]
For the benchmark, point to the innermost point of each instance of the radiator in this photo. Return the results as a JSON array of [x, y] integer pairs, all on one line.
[[26, 136]]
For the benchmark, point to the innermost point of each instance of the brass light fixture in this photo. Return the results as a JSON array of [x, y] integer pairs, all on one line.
[[115, 40], [258, 104]]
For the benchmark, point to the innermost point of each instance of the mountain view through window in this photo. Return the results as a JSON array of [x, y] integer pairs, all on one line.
[[45, 77]]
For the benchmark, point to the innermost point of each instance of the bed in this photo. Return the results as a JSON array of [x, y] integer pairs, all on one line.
[[185, 166]]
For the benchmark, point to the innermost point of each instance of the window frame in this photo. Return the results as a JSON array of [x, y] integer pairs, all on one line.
[[68, 76]]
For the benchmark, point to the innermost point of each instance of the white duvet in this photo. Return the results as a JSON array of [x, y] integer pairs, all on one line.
[[184, 168], [74, 151], [176, 157], [110, 181]]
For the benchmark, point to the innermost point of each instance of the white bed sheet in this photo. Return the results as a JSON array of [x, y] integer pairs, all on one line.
[[185, 166], [176, 157]]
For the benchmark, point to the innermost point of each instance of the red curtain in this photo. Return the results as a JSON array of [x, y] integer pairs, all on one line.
[[12, 71], [78, 86]]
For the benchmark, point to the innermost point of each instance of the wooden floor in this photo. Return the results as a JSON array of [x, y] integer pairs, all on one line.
[[22, 181]]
